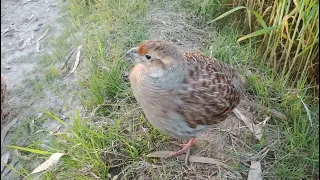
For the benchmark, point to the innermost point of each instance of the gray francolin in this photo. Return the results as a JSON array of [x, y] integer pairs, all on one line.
[[182, 95], [3, 94]]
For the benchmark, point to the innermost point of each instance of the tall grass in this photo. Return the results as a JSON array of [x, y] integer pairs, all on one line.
[[286, 36], [289, 32], [110, 29]]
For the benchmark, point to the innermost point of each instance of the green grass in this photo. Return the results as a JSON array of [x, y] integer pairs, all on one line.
[[298, 156], [115, 138]]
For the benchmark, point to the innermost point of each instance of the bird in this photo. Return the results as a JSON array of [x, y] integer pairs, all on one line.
[[182, 94], [3, 95]]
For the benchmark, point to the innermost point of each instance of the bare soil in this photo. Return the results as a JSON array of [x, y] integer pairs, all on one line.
[[23, 24]]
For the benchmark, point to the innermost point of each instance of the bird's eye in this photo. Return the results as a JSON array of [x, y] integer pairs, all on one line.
[[148, 56]]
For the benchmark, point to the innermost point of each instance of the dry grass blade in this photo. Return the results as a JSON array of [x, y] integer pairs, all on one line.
[[9, 168], [53, 160], [4, 159], [4, 31], [76, 63], [194, 159], [256, 130], [307, 109], [255, 171], [38, 47]]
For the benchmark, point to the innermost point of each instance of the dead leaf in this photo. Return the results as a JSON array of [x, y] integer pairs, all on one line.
[[198, 159], [5, 130], [53, 160], [255, 171], [38, 46], [4, 159], [21, 44], [256, 130], [66, 59], [76, 63]]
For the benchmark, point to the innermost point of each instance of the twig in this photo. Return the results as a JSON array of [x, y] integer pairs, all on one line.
[[5, 31], [198, 159], [44, 34], [25, 2]]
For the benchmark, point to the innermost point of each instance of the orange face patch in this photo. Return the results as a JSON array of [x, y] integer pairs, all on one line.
[[142, 49]]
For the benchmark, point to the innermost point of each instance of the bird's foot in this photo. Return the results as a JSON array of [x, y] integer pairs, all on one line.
[[186, 148]]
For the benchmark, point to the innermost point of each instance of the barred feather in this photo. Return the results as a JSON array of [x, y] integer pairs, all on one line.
[[208, 93]]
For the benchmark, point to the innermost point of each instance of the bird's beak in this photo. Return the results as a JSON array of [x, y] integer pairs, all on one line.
[[132, 52]]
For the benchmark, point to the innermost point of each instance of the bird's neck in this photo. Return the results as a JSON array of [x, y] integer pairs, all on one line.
[[174, 75], [171, 78]]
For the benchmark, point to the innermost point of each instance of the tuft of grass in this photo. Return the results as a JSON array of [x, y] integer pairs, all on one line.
[[112, 30], [290, 36], [97, 149], [51, 73]]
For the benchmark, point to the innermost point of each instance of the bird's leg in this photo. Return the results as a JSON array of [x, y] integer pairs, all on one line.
[[185, 149]]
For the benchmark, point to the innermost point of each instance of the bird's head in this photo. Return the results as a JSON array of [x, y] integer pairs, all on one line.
[[156, 55]]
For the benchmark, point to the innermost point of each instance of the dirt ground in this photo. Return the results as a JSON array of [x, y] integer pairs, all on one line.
[[24, 25], [28, 28]]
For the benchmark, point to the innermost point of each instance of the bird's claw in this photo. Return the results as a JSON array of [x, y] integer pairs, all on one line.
[[186, 148]]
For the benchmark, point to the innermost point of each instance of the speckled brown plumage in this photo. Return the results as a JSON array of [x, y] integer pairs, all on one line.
[[182, 95], [3, 94], [207, 92]]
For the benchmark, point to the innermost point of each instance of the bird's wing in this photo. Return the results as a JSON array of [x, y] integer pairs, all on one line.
[[208, 94]]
